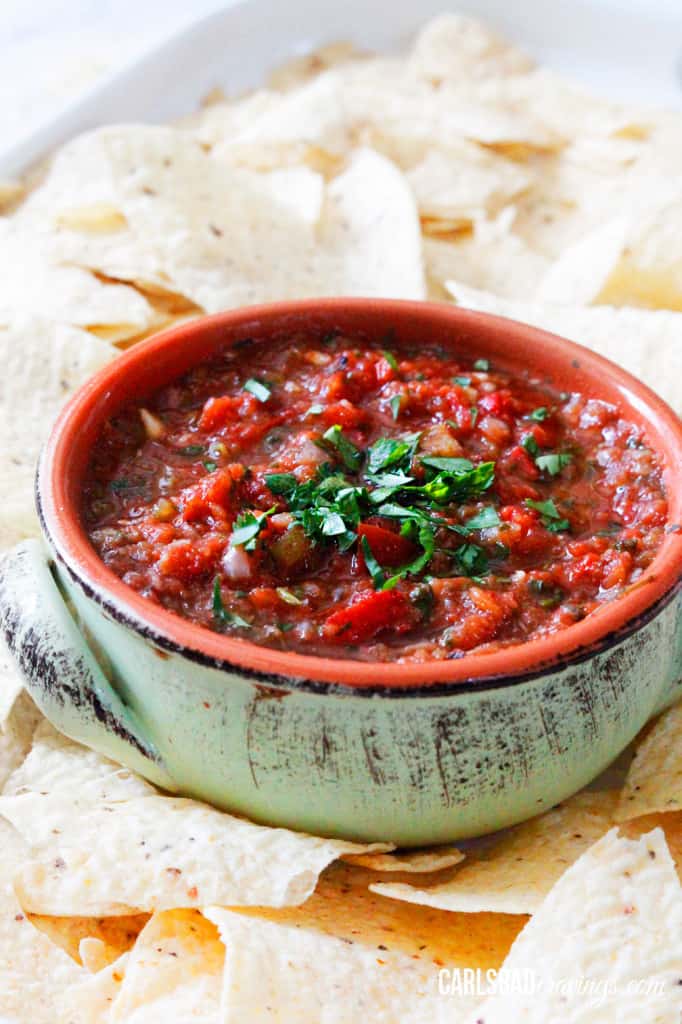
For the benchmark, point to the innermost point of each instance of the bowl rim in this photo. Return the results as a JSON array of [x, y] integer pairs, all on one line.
[[599, 631]]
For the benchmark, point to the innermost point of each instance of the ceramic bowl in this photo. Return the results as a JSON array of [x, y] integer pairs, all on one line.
[[413, 753]]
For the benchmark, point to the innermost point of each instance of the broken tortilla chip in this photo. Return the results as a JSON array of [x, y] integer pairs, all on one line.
[[418, 861], [654, 781], [513, 874], [117, 846], [604, 946], [42, 363], [33, 971]]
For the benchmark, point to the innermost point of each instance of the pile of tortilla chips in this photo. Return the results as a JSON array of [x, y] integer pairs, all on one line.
[[458, 172]]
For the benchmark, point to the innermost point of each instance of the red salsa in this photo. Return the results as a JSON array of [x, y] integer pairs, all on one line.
[[372, 500]]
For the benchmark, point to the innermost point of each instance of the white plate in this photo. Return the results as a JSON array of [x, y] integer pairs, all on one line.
[[628, 49]]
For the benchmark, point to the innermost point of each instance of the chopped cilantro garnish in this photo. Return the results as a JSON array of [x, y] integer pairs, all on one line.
[[539, 414], [447, 465], [393, 452], [473, 412], [281, 483], [220, 613], [390, 359], [464, 382], [551, 517], [191, 449], [285, 627], [472, 559], [335, 439], [246, 529], [330, 506], [373, 567], [484, 519], [530, 444], [553, 463], [259, 390], [209, 466], [482, 364]]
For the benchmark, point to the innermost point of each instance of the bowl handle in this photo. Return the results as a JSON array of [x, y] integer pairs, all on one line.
[[61, 672]]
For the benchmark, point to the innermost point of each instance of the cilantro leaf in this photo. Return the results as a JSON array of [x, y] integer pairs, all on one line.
[[281, 483], [472, 559], [482, 364], [390, 359], [373, 567], [484, 519], [246, 528], [335, 439], [539, 414], [220, 613], [550, 515], [447, 465], [553, 463], [390, 451], [531, 445]]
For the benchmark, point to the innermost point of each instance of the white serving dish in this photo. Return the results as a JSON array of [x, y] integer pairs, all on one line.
[[628, 49]]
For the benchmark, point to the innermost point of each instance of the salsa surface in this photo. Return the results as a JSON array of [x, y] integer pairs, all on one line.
[[374, 501]]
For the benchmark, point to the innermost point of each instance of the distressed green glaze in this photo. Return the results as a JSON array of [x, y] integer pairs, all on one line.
[[412, 768]]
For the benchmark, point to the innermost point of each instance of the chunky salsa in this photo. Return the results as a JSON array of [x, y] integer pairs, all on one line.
[[372, 500]]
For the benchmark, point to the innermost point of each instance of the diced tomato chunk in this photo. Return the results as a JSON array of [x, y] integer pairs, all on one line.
[[498, 403], [211, 496], [372, 613], [344, 413], [387, 547], [186, 559]]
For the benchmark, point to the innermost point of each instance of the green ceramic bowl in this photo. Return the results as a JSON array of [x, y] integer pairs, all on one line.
[[410, 753]]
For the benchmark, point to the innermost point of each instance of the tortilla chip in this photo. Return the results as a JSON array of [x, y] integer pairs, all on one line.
[[115, 935], [301, 69], [33, 972], [514, 874], [173, 973], [465, 182], [604, 946], [42, 363], [418, 861], [646, 343], [457, 48], [348, 955], [580, 274], [242, 237], [344, 907], [490, 259], [33, 286], [90, 1001], [16, 735], [654, 782], [302, 975], [11, 683], [670, 824], [106, 843], [96, 954], [10, 193]]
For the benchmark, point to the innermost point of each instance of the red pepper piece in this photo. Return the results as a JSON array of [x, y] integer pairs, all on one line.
[[359, 622], [387, 547]]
